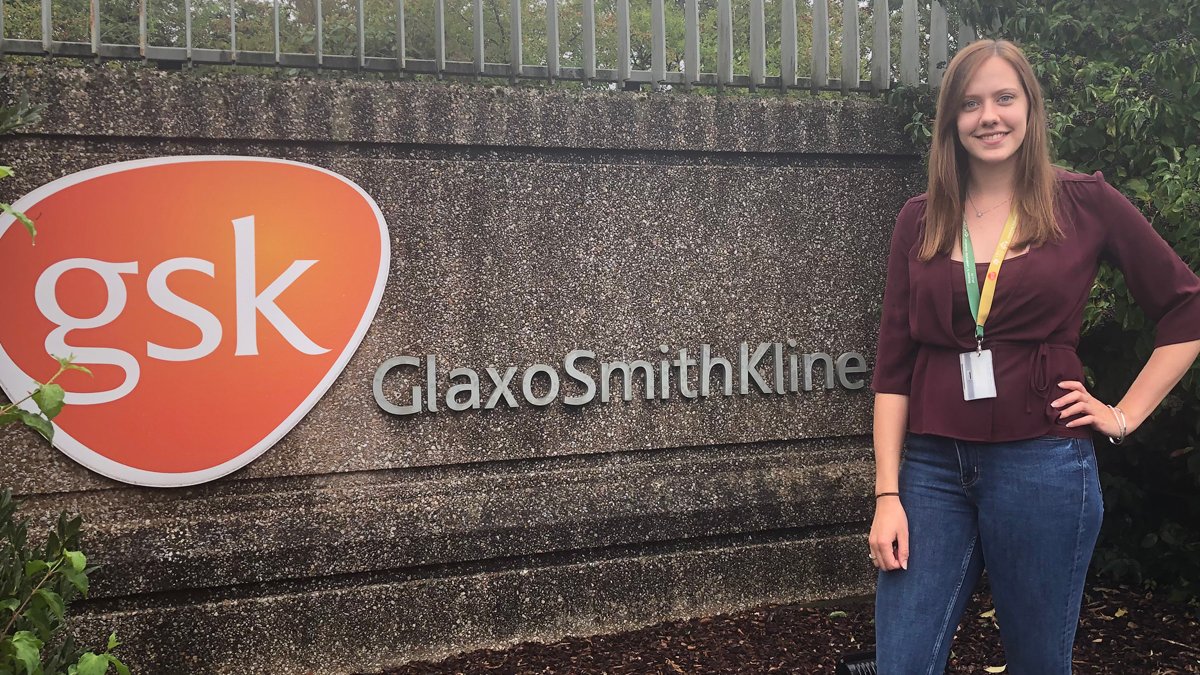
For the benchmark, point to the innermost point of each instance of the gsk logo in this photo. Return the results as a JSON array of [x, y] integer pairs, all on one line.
[[214, 299]]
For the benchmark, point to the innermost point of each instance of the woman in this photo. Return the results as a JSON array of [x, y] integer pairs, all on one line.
[[978, 379]]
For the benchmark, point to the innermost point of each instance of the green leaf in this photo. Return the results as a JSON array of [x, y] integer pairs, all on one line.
[[53, 601], [122, 669], [49, 399], [1138, 185], [39, 424], [10, 604], [6, 171], [35, 613], [68, 363], [28, 651], [36, 566], [112, 642], [21, 217], [77, 560], [10, 417], [78, 579], [92, 664]]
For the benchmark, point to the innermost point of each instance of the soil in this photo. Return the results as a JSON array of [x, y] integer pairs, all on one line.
[[1122, 631]]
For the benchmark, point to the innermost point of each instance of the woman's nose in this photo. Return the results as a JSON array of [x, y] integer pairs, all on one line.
[[989, 115]]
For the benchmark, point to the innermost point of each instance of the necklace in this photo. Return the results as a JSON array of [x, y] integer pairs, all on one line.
[[978, 213]]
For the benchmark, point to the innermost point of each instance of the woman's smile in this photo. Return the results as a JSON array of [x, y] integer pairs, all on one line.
[[992, 138]]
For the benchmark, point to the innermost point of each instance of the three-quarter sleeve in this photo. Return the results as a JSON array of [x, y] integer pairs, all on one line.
[[896, 351], [1166, 289]]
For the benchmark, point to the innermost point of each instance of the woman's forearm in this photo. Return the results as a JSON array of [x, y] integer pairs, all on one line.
[[891, 420], [1161, 373]]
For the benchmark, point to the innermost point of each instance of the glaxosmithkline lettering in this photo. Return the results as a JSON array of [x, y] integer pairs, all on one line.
[[407, 385]]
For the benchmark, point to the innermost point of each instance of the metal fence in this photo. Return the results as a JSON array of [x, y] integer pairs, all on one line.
[[931, 42]]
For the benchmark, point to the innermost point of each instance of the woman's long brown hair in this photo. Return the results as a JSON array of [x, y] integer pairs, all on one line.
[[948, 167]]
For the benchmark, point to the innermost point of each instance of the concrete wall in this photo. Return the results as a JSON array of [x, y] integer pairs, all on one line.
[[524, 224]]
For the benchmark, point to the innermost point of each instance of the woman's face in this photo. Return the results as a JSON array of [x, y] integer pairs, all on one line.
[[993, 113]]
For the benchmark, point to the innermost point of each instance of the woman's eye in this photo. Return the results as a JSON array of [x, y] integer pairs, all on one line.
[[1007, 98], [970, 105]]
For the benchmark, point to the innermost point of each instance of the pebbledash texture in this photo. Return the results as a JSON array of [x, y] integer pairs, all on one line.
[[525, 224]]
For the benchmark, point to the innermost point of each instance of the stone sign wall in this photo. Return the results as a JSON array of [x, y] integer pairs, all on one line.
[[526, 226]]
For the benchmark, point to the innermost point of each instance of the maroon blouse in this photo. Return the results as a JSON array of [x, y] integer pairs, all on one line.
[[1033, 328]]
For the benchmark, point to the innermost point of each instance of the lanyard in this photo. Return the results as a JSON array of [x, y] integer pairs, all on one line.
[[981, 304]]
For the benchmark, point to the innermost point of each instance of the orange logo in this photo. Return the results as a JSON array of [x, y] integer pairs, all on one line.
[[214, 299]]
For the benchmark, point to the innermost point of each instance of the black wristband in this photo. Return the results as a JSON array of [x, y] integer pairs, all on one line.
[[887, 494]]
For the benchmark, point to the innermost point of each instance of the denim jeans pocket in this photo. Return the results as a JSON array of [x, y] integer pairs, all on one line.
[[1082, 450]]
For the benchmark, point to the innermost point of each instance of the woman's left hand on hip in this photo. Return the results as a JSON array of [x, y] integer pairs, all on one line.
[[1092, 411]]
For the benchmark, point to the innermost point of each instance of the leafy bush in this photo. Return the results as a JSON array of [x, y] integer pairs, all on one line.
[[36, 585], [1122, 84]]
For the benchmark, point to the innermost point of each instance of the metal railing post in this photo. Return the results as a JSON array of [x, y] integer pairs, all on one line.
[[623, 66], [724, 43], [881, 48], [909, 56], [939, 48], [552, 39], [788, 51], [850, 51], [691, 59], [514, 35], [758, 39], [589, 40], [658, 41], [820, 45]]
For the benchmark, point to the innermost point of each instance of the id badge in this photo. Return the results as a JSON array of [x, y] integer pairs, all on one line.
[[977, 377]]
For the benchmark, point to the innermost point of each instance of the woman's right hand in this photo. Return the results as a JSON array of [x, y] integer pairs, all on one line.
[[889, 534]]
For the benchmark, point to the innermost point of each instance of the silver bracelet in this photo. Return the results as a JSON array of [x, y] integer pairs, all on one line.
[[1120, 417]]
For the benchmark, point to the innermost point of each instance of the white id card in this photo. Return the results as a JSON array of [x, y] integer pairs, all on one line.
[[977, 378]]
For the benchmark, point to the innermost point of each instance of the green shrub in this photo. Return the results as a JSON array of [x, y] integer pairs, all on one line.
[[36, 585], [1122, 84]]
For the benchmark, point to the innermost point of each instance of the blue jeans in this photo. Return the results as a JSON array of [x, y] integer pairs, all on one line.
[[1028, 511]]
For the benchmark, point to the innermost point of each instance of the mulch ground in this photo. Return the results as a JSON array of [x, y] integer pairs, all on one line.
[[1122, 631]]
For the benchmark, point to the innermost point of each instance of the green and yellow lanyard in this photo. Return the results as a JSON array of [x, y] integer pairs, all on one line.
[[981, 303]]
